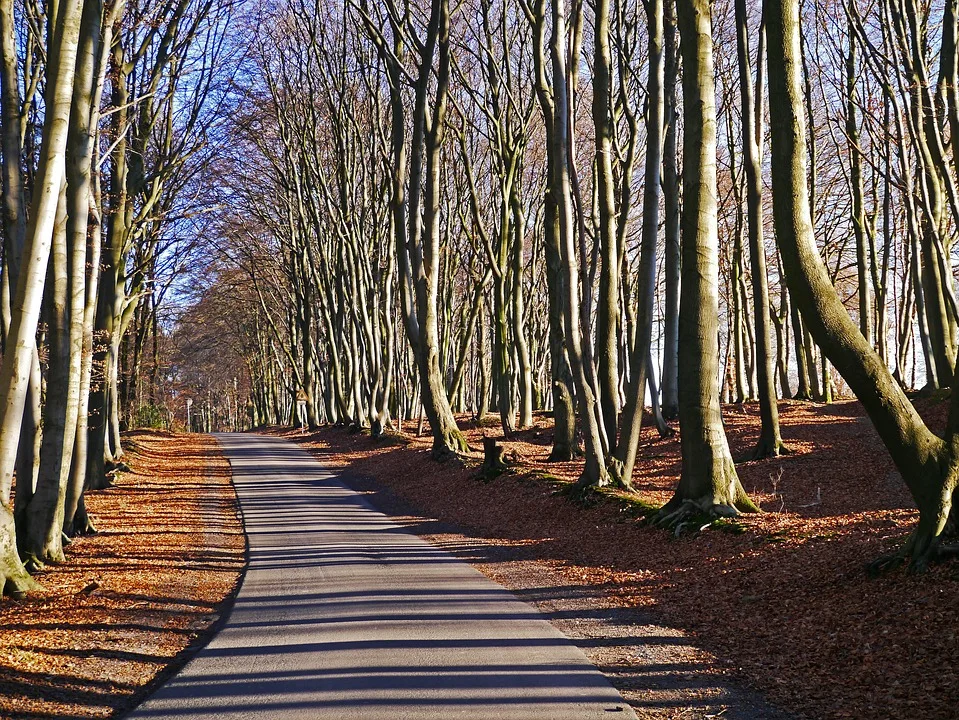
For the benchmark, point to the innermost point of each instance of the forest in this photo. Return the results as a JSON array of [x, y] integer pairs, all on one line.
[[421, 214], [431, 215], [658, 294]]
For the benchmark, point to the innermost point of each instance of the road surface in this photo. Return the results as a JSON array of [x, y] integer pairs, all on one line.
[[343, 615]]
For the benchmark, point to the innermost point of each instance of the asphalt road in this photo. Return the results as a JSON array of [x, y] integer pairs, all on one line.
[[342, 614]]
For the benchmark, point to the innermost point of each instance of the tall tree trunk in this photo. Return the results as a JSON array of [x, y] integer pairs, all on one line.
[[671, 193], [855, 181], [737, 320], [594, 471], [17, 360], [415, 219], [44, 514], [14, 235], [565, 445], [84, 239], [103, 398], [708, 483], [519, 311], [484, 380], [114, 387], [28, 451], [501, 350], [607, 328], [803, 388], [770, 443], [14, 213], [928, 464], [641, 351], [781, 323], [446, 435]]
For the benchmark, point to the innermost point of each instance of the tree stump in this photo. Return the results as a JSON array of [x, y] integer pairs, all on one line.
[[494, 459]]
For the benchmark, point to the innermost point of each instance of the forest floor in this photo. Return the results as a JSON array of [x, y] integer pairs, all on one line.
[[132, 602], [778, 605]]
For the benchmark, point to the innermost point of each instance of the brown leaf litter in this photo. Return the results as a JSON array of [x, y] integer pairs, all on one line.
[[131, 602], [779, 602]]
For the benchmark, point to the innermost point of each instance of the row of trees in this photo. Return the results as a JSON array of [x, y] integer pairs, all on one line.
[[107, 111], [510, 206]]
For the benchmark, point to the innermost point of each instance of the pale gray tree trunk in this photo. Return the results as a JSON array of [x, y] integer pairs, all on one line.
[[855, 182], [44, 515], [770, 443], [415, 218], [84, 221], [708, 483], [14, 233], [671, 208], [18, 358], [565, 445], [640, 370], [594, 472], [519, 312], [608, 311]]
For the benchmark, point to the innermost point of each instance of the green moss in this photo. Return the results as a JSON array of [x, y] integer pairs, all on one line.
[[490, 474], [635, 506], [541, 476], [630, 506], [390, 438], [585, 497], [730, 526], [776, 537]]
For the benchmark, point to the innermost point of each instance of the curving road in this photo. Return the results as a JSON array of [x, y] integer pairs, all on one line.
[[342, 614]]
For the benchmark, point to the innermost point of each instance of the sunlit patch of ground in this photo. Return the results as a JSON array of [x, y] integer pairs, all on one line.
[[130, 600], [780, 601]]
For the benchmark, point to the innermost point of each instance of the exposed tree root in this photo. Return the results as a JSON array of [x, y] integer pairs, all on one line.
[[453, 444], [691, 516], [102, 483], [15, 581], [35, 560], [765, 450], [885, 563], [587, 483], [32, 564], [563, 452], [605, 479], [378, 427], [583, 495], [921, 550], [17, 584], [82, 526], [666, 431], [116, 466], [947, 551], [615, 471]]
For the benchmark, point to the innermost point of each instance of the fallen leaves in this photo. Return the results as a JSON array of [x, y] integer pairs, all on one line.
[[781, 598], [130, 600]]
